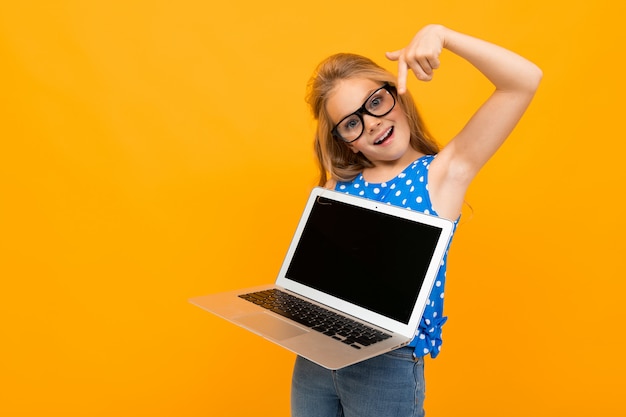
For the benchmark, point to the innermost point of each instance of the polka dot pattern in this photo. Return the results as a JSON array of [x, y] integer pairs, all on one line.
[[410, 190]]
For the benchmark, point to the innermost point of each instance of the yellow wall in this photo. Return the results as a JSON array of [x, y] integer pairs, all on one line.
[[151, 151]]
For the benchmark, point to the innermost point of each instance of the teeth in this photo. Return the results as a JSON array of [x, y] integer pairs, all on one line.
[[386, 135]]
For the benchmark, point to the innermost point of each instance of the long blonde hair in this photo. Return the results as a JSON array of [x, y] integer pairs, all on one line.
[[333, 155]]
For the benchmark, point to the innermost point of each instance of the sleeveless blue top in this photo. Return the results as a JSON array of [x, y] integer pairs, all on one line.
[[410, 190]]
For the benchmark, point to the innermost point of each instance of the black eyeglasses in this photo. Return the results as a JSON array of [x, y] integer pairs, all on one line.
[[378, 104]]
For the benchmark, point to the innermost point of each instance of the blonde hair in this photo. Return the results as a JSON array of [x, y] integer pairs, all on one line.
[[334, 156]]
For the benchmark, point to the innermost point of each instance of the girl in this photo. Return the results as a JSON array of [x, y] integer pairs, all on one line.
[[373, 143]]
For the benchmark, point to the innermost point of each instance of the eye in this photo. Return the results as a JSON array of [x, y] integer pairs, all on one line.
[[350, 124], [375, 101]]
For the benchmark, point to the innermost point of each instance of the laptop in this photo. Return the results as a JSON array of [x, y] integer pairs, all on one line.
[[353, 284]]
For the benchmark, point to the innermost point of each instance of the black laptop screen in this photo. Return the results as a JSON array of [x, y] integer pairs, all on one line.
[[374, 260]]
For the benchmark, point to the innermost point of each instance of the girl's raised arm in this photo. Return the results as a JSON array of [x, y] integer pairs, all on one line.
[[515, 79]]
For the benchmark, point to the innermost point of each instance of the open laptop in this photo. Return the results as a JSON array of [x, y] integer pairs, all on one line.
[[353, 285]]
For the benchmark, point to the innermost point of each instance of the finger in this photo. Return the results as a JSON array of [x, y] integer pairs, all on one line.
[[424, 65], [394, 55], [403, 70], [429, 65], [434, 62], [421, 69]]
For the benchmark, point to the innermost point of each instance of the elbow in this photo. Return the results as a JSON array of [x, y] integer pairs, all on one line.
[[524, 81], [527, 82], [534, 74]]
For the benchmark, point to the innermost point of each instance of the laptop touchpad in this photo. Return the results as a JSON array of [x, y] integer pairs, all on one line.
[[270, 326]]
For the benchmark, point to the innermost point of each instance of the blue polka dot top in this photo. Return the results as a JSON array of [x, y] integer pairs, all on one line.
[[410, 190]]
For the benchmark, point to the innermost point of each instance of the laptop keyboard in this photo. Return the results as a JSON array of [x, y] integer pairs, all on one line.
[[338, 327]]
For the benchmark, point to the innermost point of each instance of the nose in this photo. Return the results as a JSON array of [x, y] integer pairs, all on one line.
[[371, 122]]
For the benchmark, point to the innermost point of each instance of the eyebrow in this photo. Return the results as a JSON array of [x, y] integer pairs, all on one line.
[[367, 96]]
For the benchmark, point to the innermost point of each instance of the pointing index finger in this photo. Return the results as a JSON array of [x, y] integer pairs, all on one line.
[[403, 69]]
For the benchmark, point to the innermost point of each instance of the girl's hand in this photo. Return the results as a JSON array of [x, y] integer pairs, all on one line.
[[421, 55]]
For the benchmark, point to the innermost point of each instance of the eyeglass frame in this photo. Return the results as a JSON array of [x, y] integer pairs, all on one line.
[[362, 110]]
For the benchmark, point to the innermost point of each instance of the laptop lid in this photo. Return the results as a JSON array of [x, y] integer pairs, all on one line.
[[368, 259]]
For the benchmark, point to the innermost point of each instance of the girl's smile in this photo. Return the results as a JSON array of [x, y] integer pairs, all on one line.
[[385, 137]]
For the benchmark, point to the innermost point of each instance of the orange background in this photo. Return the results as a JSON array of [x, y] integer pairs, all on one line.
[[152, 151]]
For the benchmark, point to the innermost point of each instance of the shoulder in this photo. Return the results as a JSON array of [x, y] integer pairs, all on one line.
[[331, 184]]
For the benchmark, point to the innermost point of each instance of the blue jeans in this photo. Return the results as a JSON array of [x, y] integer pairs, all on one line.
[[387, 385]]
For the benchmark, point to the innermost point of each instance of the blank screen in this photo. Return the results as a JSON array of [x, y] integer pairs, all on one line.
[[371, 259]]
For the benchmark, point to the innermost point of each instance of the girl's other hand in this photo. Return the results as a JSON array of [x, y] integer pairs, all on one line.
[[421, 55]]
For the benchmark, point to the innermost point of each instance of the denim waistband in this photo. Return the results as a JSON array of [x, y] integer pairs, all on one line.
[[406, 352]]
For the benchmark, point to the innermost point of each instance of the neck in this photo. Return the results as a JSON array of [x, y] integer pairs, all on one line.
[[387, 170]]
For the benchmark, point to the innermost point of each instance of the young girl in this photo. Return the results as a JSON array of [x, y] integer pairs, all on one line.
[[373, 143]]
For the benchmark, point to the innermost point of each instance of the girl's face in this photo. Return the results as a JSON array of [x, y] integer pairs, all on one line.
[[385, 139]]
